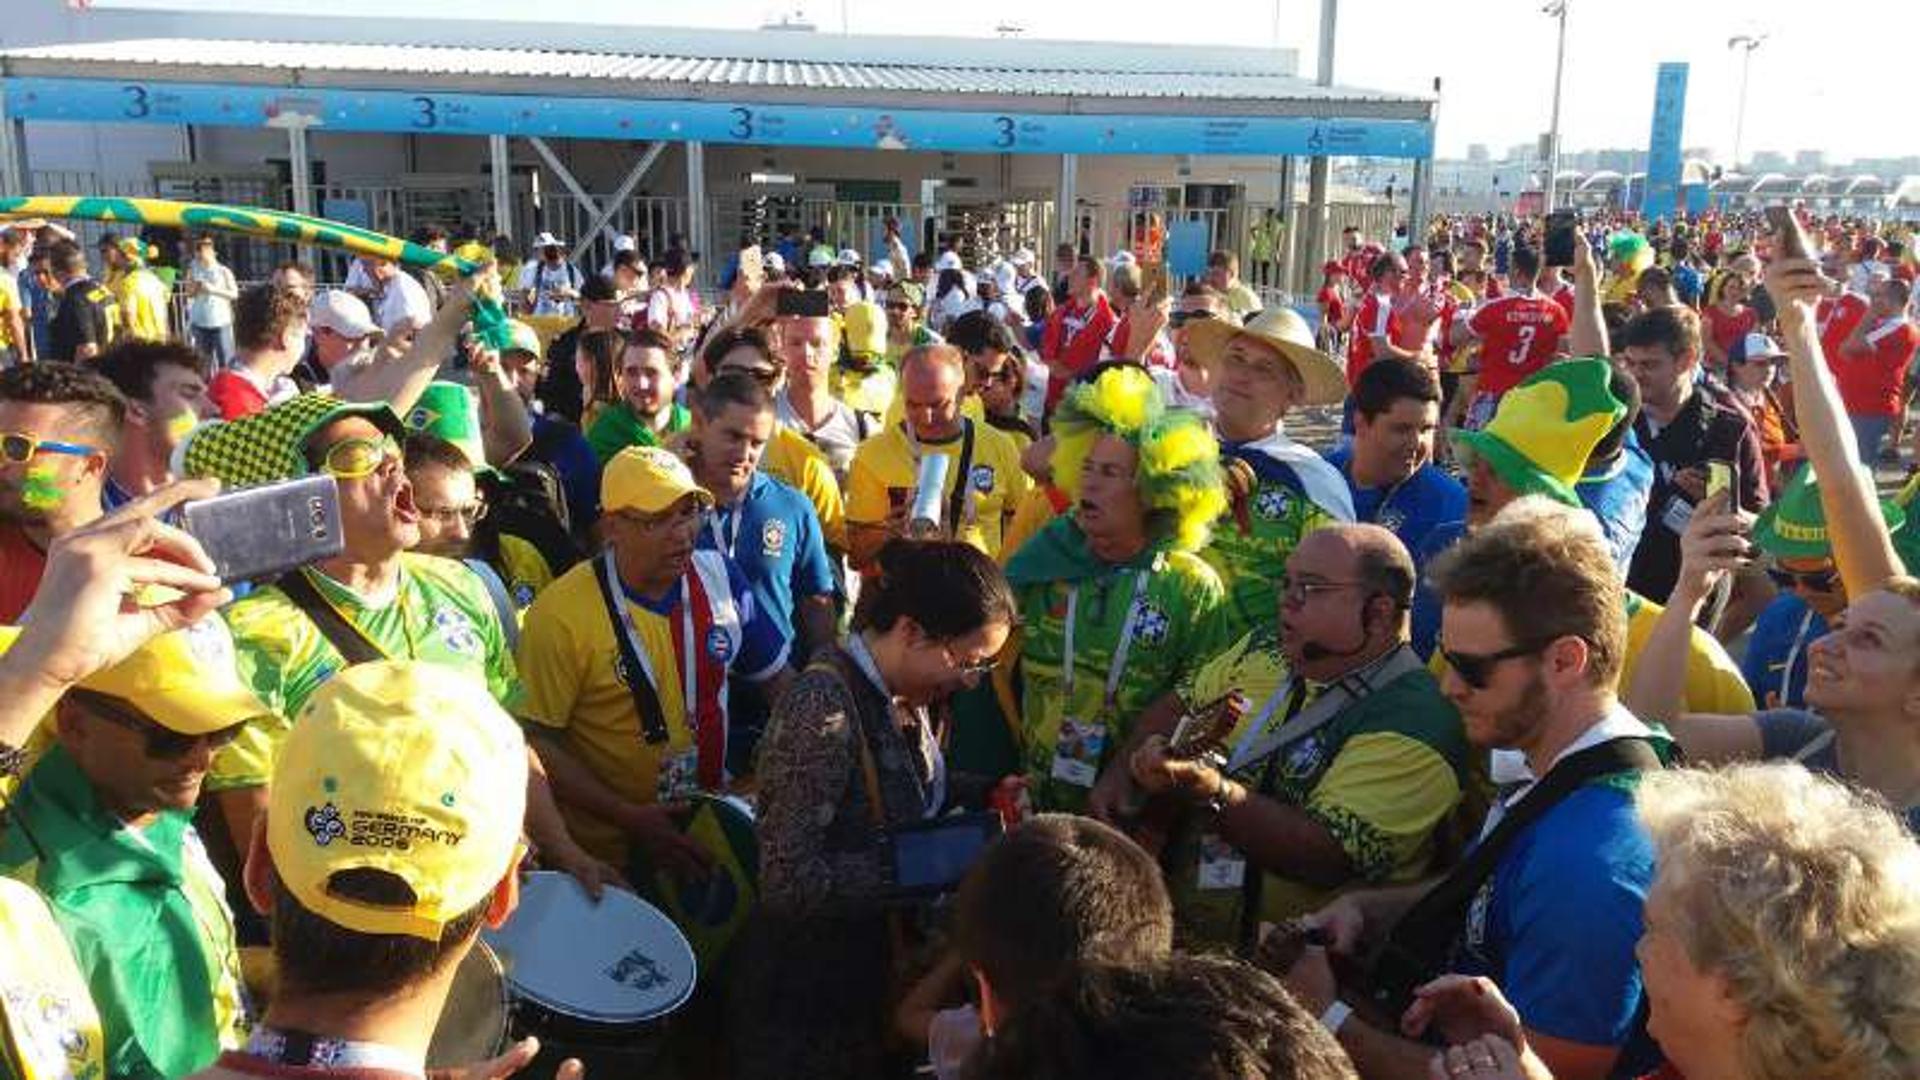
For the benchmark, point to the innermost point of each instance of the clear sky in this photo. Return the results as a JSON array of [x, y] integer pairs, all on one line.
[[1836, 76]]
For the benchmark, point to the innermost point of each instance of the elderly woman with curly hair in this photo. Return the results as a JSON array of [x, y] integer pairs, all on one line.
[[1116, 607], [1782, 938]]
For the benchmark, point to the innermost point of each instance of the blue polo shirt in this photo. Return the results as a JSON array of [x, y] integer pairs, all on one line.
[[1557, 930], [1426, 603], [773, 535], [1775, 665], [1410, 509], [1617, 494]]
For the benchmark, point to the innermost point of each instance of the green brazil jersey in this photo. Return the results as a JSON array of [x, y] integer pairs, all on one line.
[[441, 613], [1252, 541], [1170, 601]]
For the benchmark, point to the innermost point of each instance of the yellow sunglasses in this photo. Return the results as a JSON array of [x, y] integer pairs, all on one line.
[[352, 459]]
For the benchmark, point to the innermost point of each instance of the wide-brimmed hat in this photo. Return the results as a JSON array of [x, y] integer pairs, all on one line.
[[1283, 329]]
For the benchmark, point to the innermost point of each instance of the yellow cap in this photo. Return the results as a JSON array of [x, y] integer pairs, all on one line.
[[405, 767], [525, 339], [185, 680], [647, 479]]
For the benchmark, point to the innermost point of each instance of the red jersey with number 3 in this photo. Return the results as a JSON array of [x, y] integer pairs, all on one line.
[[1519, 334]]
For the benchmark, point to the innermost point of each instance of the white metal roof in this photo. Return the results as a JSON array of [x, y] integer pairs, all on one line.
[[660, 73]]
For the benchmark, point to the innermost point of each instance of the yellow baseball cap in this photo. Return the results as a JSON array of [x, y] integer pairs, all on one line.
[[185, 680], [647, 479], [405, 767]]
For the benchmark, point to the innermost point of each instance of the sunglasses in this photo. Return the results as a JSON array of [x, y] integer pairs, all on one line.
[[1181, 318], [1476, 669], [978, 667], [353, 459], [162, 743], [1810, 580], [18, 449]]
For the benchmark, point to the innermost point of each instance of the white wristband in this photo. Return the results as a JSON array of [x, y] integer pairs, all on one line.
[[1335, 1016]]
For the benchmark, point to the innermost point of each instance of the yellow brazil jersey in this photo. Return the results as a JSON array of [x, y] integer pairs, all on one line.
[[794, 461], [143, 302], [575, 690], [523, 569], [887, 464], [1714, 683], [9, 302]]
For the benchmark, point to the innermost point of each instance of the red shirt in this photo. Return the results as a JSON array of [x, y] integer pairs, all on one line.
[[1359, 265], [1333, 309], [1727, 330], [21, 564], [1519, 335], [1870, 385], [1074, 337], [1376, 317], [1564, 297], [1836, 318], [235, 395]]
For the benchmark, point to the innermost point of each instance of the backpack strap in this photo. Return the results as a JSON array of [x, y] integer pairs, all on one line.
[[1421, 943], [353, 645], [502, 603]]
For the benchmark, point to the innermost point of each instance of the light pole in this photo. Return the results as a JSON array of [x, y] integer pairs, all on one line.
[[1749, 42], [1557, 9]]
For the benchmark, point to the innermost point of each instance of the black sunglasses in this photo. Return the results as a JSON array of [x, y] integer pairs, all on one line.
[[163, 743], [1181, 318], [1811, 580], [1476, 669]]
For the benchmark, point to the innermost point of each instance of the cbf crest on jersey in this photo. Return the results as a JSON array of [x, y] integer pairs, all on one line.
[[773, 538]]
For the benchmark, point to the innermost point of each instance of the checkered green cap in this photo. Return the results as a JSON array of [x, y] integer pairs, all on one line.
[[270, 445]]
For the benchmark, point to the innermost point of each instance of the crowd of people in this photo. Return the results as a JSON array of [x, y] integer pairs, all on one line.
[[1419, 751]]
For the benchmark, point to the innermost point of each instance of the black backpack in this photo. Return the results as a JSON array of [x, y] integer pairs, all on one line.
[[525, 499]]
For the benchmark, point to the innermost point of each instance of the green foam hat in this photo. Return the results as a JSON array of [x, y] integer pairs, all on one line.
[[449, 410], [1543, 432], [1795, 525]]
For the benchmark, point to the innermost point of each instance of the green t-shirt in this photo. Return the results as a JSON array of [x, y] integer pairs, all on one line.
[[618, 427], [1177, 628], [1250, 547], [1381, 776], [441, 613], [144, 914]]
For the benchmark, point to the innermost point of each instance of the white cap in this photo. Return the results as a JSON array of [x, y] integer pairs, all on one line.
[[882, 267], [773, 260], [1023, 257], [948, 260], [819, 257], [343, 313], [848, 257], [623, 242], [547, 240], [1122, 257]]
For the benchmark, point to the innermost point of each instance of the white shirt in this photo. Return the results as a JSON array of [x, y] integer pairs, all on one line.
[[540, 279], [404, 307], [1510, 766], [207, 310], [1177, 395], [836, 438]]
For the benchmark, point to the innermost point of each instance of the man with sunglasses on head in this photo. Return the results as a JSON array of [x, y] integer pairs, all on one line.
[[1189, 383], [1346, 762], [1548, 903], [59, 426], [103, 827], [375, 600], [628, 659]]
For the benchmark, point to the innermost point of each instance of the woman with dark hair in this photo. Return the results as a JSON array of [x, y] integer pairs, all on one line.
[[595, 360], [851, 754], [951, 299]]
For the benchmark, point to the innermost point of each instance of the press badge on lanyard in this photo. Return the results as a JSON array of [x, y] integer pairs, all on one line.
[[678, 775], [1221, 864], [1077, 753]]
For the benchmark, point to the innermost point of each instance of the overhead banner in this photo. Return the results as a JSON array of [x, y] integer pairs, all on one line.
[[1663, 149], [755, 123]]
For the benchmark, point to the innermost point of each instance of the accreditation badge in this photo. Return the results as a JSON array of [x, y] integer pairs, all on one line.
[[679, 777], [1221, 864], [1077, 753]]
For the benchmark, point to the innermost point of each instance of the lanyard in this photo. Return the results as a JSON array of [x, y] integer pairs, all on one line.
[[302, 1050], [935, 794], [728, 541], [1793, 657], [1118, 665], [687, 646], [400, 600]]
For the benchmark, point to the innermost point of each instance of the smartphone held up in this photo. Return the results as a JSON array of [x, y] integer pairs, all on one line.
[[258, 533]]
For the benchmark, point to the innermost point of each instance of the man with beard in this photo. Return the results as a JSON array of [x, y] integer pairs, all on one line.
[[1280, 489], [1389, 465], [627, 659], [1317, 795], [646, 414], [165, 385], [376, 600], [103, 827], [61, 425], [1534, 632]]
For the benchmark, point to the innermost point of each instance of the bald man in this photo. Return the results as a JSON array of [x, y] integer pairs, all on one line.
[[1347, 758]]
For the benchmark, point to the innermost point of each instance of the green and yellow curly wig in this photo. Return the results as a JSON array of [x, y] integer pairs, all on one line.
[[1629, 248], [1179, 475]]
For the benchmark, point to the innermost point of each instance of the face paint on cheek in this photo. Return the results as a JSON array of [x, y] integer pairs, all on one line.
[[180, 426], [42, 489]]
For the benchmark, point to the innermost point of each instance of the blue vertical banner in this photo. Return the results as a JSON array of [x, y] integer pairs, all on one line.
[[1663, 149]]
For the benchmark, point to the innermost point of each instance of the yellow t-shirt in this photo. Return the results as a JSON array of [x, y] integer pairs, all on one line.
[[524, 570], [887, 464], [9, 302], [791, 459], [1714, 682], [573, 688], [143, 305]]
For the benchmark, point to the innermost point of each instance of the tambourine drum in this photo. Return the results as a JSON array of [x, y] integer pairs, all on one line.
[[590, 977], [711, 910], [473, 1025]]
